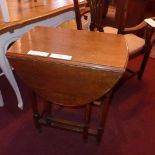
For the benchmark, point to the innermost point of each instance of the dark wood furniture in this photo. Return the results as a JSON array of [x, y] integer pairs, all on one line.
[[123, 14], [139, 42], [135, 11], [26, 13], [98, 62], [30, 0], [80, 12], [150, 7], [145, 32]]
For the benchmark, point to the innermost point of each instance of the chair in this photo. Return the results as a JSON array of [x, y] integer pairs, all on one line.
[[140, 42], [138, 38], [136, 44]]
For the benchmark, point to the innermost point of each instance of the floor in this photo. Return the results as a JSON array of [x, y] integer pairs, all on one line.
[[129, 128]]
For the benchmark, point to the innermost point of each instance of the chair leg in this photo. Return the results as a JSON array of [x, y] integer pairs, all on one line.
[[92, 27], [36, 114], [103, 113], [143, 64], [87, 121], [36, 118], [49, 110]]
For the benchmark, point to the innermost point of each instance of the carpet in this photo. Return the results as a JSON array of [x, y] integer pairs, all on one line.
[[129, 128]]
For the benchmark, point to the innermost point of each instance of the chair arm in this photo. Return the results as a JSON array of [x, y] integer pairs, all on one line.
[[138, 29], [133, 29], [153, 37]]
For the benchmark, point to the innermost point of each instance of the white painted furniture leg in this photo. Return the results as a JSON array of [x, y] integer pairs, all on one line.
[[1, 100], [9, 75], [4, 9]]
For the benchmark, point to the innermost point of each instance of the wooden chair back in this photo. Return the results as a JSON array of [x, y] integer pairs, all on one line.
[[98, 10]]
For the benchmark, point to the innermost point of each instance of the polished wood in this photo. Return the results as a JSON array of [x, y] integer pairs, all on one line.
[[128, 7], [27, 12], [123, 16], [150, 8], [98, 10], [98, 62], [143, 9]]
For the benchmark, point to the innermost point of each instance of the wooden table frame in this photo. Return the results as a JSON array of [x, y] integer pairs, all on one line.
[[98, 62]]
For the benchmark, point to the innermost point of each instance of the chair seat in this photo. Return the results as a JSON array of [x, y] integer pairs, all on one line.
[[135, 43], [108, 29], [71, 24]]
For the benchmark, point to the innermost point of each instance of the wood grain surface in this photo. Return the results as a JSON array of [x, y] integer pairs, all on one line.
[[26, 12]]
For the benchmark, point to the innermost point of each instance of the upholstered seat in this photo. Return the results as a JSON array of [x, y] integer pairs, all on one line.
[[108, 29], [134, 43]]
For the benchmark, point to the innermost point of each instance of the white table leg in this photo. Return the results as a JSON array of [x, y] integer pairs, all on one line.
[[1, 100], [9, 75], [4, 9]]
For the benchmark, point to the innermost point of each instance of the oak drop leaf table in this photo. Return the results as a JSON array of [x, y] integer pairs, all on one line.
[[70, 68]]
